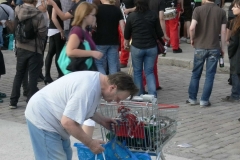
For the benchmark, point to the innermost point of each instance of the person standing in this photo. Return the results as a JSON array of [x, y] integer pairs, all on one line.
[[207, 22], [234, 55], [6, 13], [30, 54]]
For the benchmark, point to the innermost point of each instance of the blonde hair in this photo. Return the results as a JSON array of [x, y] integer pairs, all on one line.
[[81, 12]]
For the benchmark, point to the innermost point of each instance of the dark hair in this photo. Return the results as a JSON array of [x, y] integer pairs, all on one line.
[[29, 1], [124, 82], [236, 21], [141, 5]]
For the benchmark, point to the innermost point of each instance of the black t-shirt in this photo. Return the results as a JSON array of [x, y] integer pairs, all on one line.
[[49, 9], [129, 3], [169, 3], [157, 5], [72, 11], [108, 17]]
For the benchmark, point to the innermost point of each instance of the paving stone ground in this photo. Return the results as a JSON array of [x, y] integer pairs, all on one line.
[[213, 132]]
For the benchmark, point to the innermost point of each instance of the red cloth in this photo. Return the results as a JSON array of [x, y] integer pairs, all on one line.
[[124, 56], [155, 71], [172, 32]]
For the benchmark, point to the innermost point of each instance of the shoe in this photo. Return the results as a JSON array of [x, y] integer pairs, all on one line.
[[3, 95], [48, 80], [229, 99], [230, 81], [192, 104], [183, 39], [123, 65], [159, 88], [145, 92], [12, 106], [188, 41], [206, 105], [1, 101], [179, 50]]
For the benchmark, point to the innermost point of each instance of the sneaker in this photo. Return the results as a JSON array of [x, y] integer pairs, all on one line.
[[229, 99], [159, 88], [12, 106], [206, 105], [123, 65], [3, 95], [188, 41], [179, 50], [192, 104], [183, 39]]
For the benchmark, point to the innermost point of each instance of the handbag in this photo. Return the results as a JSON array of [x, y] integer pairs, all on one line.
[[114, 150], [71, 64], [160, 42], [9, 23]]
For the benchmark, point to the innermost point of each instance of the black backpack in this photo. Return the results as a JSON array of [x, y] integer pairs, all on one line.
[[24, 30]]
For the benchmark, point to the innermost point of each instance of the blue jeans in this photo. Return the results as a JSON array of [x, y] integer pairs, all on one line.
[[211, 56], [1, 36], [110, 59], [235, 87], [144, 58], [49, 145]]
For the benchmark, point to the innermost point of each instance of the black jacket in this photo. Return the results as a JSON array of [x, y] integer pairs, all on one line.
[[234, 53]]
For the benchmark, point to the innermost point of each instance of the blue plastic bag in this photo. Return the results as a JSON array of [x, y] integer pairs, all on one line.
[[114, 150]]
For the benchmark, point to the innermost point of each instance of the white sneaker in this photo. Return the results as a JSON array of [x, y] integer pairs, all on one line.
[[183, 39], [188, 40]]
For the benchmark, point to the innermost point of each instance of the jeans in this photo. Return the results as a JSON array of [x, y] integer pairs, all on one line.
[[55, 47], [1, 36], [144, 58], [110, 59], [235, 87], [26, 60], [211, 56], [49, 145]]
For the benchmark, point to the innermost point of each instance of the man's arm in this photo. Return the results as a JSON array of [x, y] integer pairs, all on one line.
[[104, 121], [192, 30], [223, 35], [74, 129], [129, 10], [162, 23], [60, 13]]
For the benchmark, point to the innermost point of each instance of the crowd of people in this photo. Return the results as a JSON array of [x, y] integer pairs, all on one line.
[[101, 36]]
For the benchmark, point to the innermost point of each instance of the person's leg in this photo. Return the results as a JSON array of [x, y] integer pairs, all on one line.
[[34, 68], [59, 45], [25, 83], [124, 56], [199, 59], [174, 35], [212, 58], [1, 36], [48, 145], [101, 63], [21, 69], [167, 23], [137, 63], [155, 71], [112, 59], [235, 95], [48, 59], [148, 60]]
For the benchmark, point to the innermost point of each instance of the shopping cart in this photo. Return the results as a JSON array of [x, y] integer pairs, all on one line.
[[143, 124]]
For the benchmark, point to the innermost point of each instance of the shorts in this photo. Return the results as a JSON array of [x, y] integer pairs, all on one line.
[[187, 14]]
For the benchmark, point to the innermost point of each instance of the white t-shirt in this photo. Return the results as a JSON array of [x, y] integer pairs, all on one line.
[[75, 96], [45, 14]]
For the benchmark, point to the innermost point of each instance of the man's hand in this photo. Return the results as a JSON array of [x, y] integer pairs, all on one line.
[[108, 123], [166, 37], [126, 44], [95, 146]]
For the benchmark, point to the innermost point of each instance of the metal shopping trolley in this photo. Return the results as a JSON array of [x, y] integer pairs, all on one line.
[[143, 124]]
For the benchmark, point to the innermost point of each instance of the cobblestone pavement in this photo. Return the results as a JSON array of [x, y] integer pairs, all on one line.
[[213, 133]]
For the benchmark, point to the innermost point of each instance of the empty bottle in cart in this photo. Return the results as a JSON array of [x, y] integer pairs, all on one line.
[[221, 61]]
